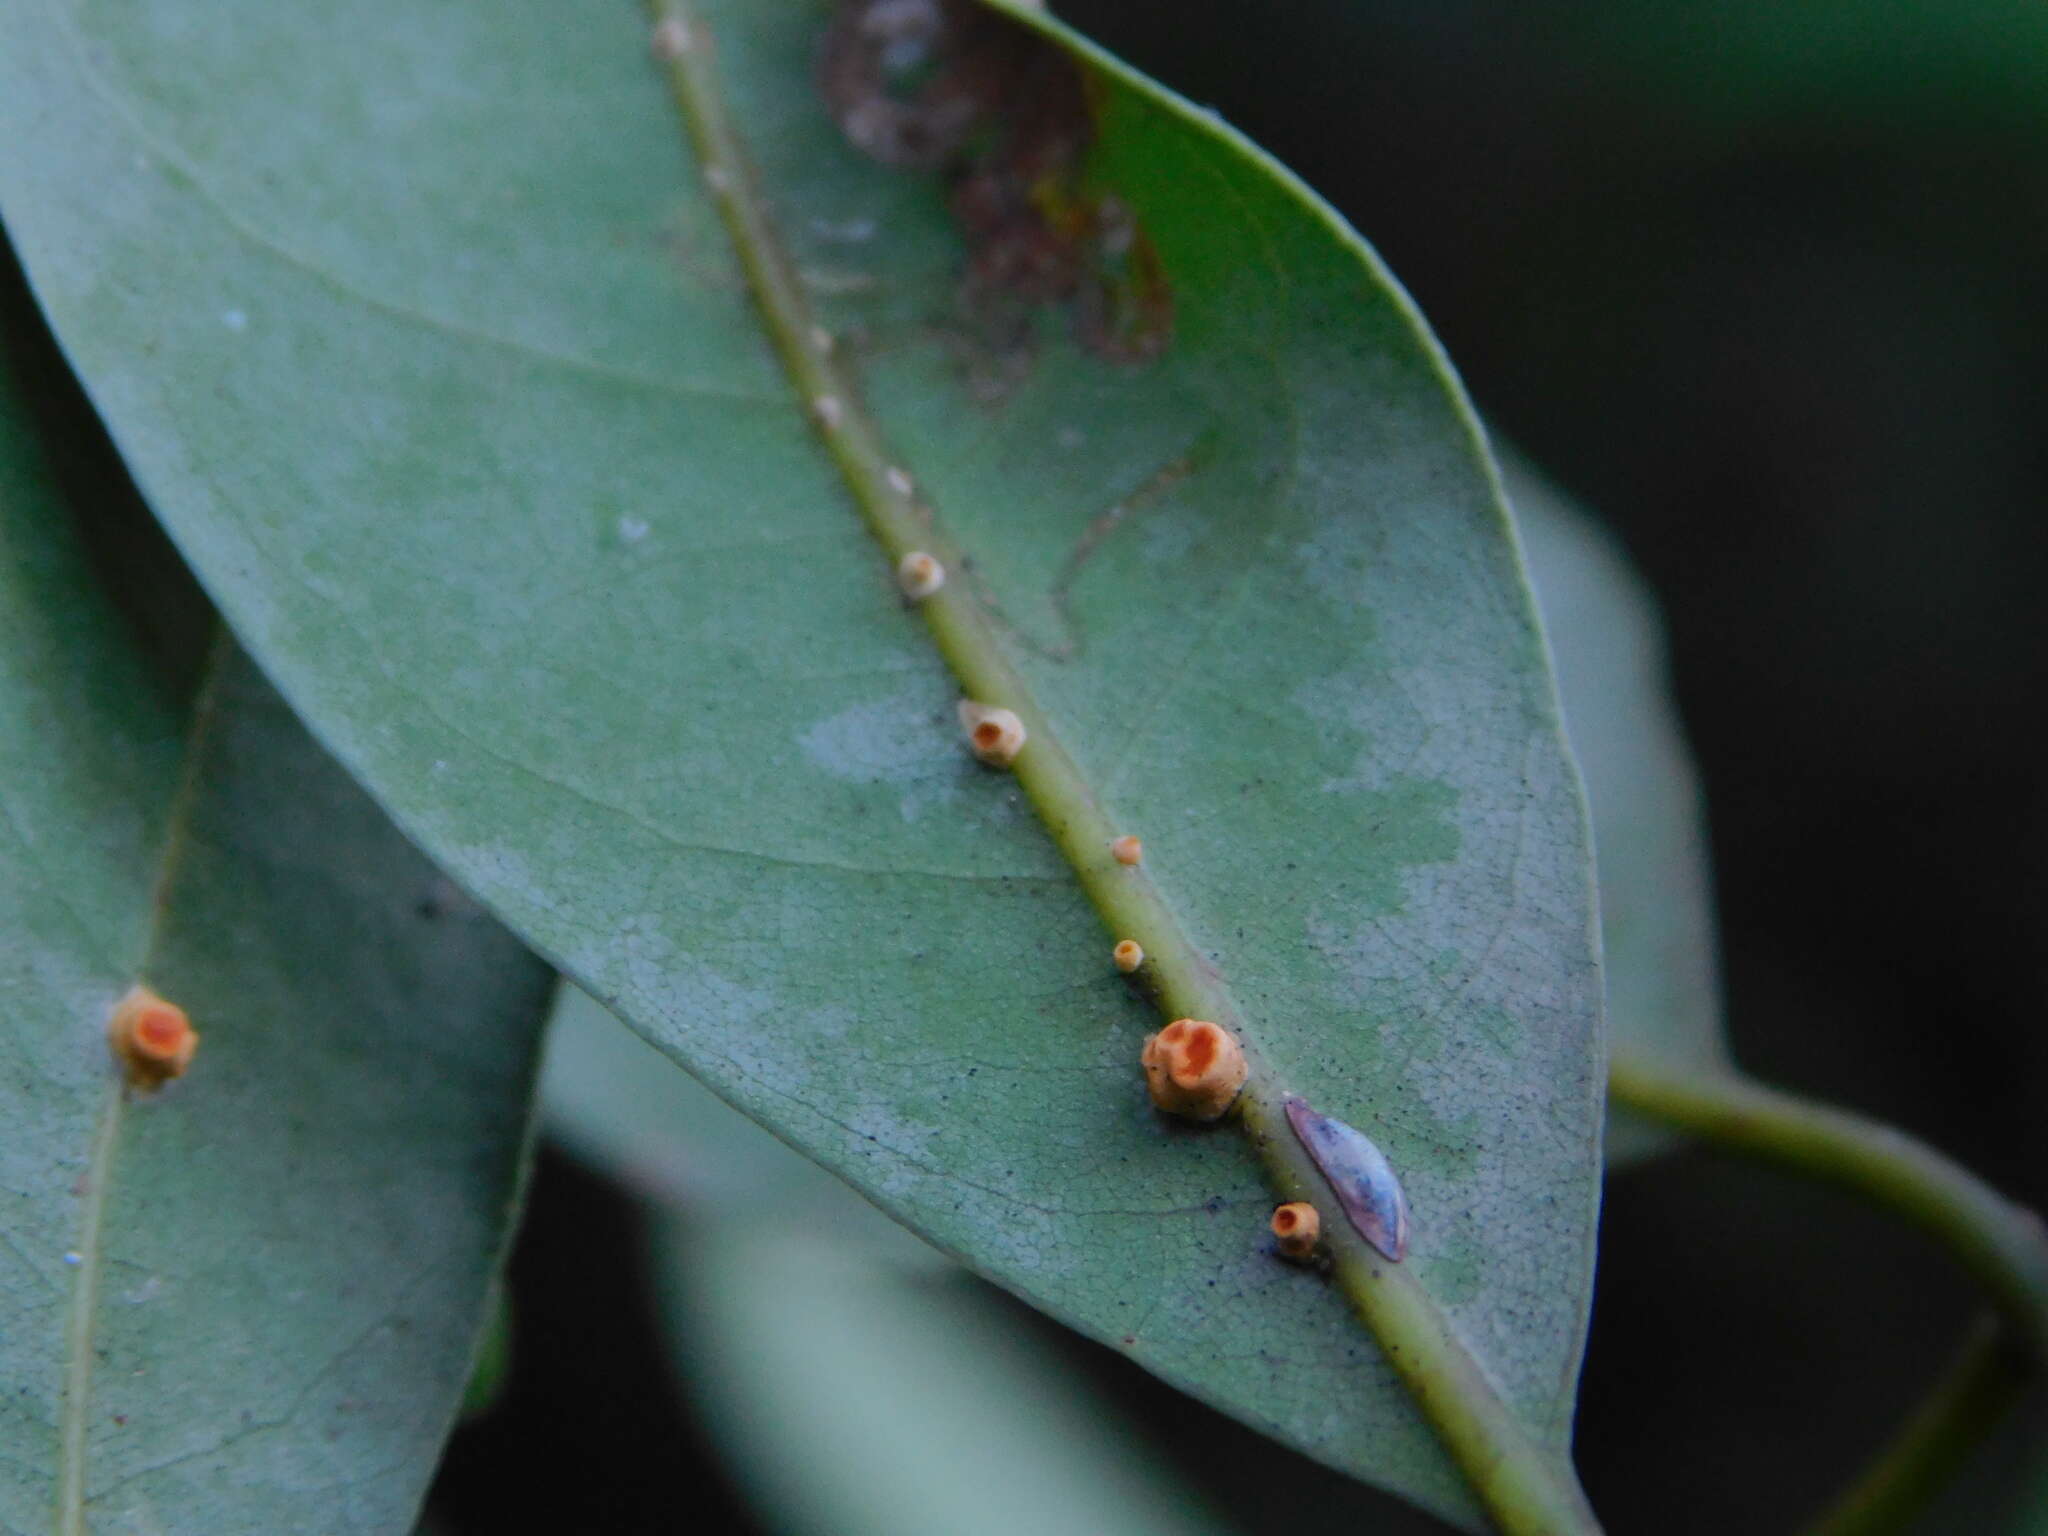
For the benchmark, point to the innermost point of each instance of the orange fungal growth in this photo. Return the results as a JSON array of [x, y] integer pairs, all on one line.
[[1194, 1069], [152, 1039], [1296, 1230], [1127, 850], [919, 575], [994, 735], [1129, 954]]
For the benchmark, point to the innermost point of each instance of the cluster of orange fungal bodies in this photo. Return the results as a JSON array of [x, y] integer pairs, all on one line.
[[1193, 1068]]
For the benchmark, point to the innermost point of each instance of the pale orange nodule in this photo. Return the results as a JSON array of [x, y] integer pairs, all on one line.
[[919, 575], [1194, 1068], [151, 1039], [1127, 850], [995, 736], [1129, 954], [671, 38], [1296, 1229]]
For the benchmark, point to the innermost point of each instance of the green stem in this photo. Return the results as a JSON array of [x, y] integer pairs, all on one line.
[[1525, 1487], [1978, 1389], [2001, 1244]]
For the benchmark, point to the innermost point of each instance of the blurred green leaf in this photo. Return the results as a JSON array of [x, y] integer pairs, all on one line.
[[858, 1380], [1906, 68], [427, 345], [855, 1398], [246, 1304], [1649, 832]]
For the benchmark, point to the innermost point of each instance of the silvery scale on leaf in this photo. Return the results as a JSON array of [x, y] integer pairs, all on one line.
[[1359, 1173]]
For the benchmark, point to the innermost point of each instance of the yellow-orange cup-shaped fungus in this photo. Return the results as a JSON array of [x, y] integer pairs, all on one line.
[[994, 735], [1129, 954], [1194, 1069], [1127, 850], [151, 1039], [1296, 1230]]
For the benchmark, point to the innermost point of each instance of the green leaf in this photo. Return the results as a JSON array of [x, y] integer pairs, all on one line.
[[1852, 70], [245, 1304], [426, 342], [1649, 832], [854, 1398], [859, 1382], [618, 1104]]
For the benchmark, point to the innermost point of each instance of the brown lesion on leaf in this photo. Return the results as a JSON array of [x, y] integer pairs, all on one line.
[[1007, 119], [1142, 498], [1071, 637]]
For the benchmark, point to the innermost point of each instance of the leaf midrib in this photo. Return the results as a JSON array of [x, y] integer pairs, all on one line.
[[81, 1318]]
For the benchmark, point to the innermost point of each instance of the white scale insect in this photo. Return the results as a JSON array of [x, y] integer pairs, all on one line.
[[1358, 1173]]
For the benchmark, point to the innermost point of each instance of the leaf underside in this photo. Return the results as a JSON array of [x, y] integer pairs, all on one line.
[[246, 1304], [862, 1385], [472, 433]]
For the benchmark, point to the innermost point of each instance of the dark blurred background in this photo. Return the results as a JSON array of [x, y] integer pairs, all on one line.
[[1767, 288]]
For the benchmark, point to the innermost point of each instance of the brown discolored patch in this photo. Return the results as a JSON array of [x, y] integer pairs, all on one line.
[[1006, 118]]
